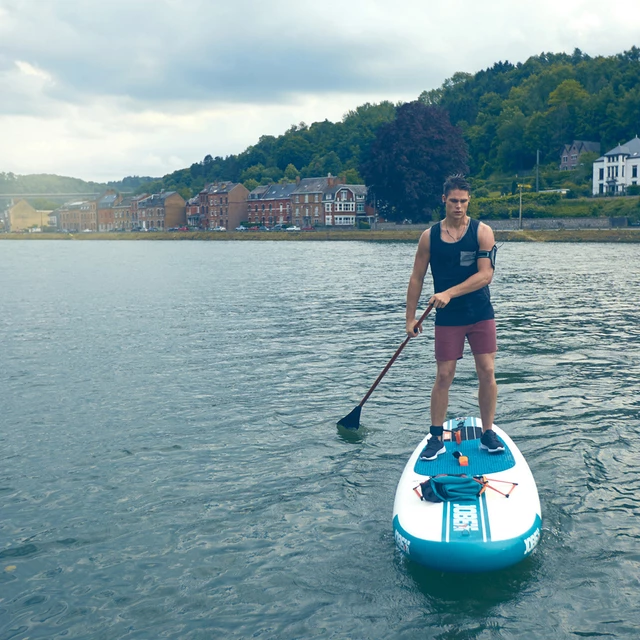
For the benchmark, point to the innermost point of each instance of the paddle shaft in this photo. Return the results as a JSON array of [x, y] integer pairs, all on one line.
[[395, 355]]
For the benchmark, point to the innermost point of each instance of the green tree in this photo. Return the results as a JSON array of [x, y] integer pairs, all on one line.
[[410, 159], [291, 173]]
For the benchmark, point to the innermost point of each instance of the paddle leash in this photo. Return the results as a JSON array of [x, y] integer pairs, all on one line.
[[352, 420]]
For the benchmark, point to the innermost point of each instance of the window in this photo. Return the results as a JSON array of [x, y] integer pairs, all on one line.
[[601, 174], [327, 207], [634, 171], [565, 158], [306, 198]]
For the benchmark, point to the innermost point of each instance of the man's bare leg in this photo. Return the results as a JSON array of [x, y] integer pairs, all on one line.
[[488, 389], [446, 371]]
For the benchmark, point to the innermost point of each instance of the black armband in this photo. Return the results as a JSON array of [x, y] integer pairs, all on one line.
[[489, 254]]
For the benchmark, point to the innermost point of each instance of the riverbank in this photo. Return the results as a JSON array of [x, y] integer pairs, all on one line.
[[410, 235]]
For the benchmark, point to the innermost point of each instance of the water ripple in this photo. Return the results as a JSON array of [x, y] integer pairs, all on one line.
[[170, 465]]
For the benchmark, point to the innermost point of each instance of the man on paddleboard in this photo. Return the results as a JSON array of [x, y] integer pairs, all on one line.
[[461, 252]]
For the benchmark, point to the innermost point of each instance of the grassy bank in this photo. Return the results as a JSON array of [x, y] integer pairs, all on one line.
[[411, 235]]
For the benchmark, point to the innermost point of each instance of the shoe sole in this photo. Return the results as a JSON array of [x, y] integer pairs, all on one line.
[[499, 449], [435, 455]]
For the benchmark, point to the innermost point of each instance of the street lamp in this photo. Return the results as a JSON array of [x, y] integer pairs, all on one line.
[[520, 186]]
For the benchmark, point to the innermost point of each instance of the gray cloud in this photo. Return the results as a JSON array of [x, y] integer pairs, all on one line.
[[197, 52], [140, 86]]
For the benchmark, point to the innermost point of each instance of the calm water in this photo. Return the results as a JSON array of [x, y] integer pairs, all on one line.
[[170, 465]]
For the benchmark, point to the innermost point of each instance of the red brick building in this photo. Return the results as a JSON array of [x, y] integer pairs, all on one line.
[[162, 211], [223, 204], [306, 200], [269, 205], [194, 217], [77, 216], [105, 210]]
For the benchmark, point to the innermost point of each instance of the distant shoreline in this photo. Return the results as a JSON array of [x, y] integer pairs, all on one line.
[[411, 235]]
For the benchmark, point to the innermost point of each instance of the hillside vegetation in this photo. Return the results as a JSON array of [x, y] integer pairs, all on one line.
[[506, 114]]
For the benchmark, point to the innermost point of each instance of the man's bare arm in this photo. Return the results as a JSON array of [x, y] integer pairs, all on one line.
[[420, 265]]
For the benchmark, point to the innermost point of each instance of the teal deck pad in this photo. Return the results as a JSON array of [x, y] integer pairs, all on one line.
[[480, 462]]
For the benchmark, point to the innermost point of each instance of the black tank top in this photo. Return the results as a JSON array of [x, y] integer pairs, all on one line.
[[451, 264]]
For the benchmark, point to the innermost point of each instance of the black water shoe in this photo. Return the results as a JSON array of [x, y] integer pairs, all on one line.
[[434, 448], [489, 441]]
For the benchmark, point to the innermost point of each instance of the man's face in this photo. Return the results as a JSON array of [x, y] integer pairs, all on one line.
[[456, 203]]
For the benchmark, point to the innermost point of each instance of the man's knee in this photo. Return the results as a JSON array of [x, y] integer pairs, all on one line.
[[485, 367], [445, 374]]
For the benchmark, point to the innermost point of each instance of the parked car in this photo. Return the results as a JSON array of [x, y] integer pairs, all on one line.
[[263, 228], [294, 228], [218, 229], [241, 228]]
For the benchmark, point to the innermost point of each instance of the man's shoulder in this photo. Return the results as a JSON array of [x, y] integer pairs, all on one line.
[[483, 227], [485, 234], [425, 235]]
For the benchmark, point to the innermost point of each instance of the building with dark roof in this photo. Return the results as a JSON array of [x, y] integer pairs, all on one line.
[[162, 211], [617, 169], [223, 204], [570, 154], [271, 204]]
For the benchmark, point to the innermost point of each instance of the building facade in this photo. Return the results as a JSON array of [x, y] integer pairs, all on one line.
[[617, 169], [570, 154], [223, 204], [194, 218], [271, 204], [22, 216], [77, 216], [161, 211], [105, 210], [306, 200], [344, 205]]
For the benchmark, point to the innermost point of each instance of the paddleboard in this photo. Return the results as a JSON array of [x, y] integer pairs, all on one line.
[[484, 533]]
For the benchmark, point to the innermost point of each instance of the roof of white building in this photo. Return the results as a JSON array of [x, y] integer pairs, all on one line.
[[630, 148]]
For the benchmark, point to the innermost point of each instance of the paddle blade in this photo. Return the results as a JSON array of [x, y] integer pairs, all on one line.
[[351, 421]]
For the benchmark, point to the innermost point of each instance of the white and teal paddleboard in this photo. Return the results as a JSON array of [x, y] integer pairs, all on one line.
[[483, 533]]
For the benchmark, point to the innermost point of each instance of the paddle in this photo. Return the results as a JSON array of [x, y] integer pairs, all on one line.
[[352, 420]]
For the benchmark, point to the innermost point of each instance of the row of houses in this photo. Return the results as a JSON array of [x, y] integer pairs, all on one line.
[[308, 202]]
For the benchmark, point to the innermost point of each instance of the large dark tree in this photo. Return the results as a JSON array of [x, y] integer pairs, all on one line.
[[410, 159]]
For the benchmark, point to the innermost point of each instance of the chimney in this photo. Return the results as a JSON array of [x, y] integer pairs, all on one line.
[[297, 179]]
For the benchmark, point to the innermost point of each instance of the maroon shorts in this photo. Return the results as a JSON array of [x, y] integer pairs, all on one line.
[[450, 340]]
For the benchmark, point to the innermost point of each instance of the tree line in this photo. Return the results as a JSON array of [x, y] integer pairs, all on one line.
[[492, 125]]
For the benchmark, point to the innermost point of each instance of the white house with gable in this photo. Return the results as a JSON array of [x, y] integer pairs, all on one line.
[[617, 169]]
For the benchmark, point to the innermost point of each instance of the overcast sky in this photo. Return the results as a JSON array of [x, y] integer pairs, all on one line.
[[102, 89]]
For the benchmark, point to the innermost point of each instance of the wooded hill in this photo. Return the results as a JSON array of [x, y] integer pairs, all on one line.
[[506, 114]]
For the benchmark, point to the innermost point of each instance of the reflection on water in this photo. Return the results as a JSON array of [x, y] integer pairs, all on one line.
[[170, 464]]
